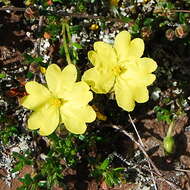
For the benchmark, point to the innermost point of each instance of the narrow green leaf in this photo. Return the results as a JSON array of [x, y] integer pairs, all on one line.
[[2, 75]]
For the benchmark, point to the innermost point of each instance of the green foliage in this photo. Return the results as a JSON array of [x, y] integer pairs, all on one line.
[[28, 183], [22, 160], [53, 28], [104, 171], [8, 132], [2, 75], [51, 170], [29, 59], [163, 114], [64, 148]]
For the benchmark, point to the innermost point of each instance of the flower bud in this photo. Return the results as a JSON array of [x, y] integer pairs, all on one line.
[[94, 27], [169, 145], [170, 34], [181, 31]]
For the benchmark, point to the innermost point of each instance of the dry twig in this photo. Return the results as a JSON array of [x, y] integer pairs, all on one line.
[[156, 171], [148, 160]]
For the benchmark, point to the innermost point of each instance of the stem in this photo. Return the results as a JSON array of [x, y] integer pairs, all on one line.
[[68, 32], [65, 43], [74, 52]]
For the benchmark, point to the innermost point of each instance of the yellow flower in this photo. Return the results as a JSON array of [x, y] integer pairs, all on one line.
[[121, 69], [64, 101]]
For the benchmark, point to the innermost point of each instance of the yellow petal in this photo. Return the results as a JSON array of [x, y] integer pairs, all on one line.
[[92, 55], [124, 96], [100, 80], [149, 79], [87, 114], [38, 95], [147, 65], [127, 49], [80, 94], [136, 48], [103, 56], [75, 126], [137, 74], [46, 119], [75, 118], [58, 80], [121, 45], [140, 94]]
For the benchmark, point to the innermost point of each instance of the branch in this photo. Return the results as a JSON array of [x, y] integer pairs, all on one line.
[[140, 147], [64, 14], [149, 163], [157, 172]]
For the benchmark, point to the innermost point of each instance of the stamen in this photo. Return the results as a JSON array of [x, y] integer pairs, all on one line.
[[119, 69], [56, 102]]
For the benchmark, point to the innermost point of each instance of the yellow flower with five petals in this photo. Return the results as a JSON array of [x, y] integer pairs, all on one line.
[[122, 69], [64, 101]]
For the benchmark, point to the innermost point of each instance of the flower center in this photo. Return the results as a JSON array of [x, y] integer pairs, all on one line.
[[118, 70], [56, 102]]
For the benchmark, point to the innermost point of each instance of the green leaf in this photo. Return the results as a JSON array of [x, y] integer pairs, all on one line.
[[126, 19], [148, 21], [26, 179], [22, 188], [77, 45], [109, 179], [59, 1], [28, 58], [42, 184], [75, 29], [105, 164], [118, 170], [81, 137], [135, 29], [29, 75], [2, 75], [31, 59], [18, 167]]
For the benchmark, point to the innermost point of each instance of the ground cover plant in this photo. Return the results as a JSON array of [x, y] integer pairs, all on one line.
[[94, 94]]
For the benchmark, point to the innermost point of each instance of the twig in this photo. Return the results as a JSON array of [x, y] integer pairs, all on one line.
[[140, 140], [64, 14], [163, 179], [12, 9], [182, 170], [40, 23], [136, 130], [19, 9], [181, 11], [171, 184], [139, 145], [155, 171]]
